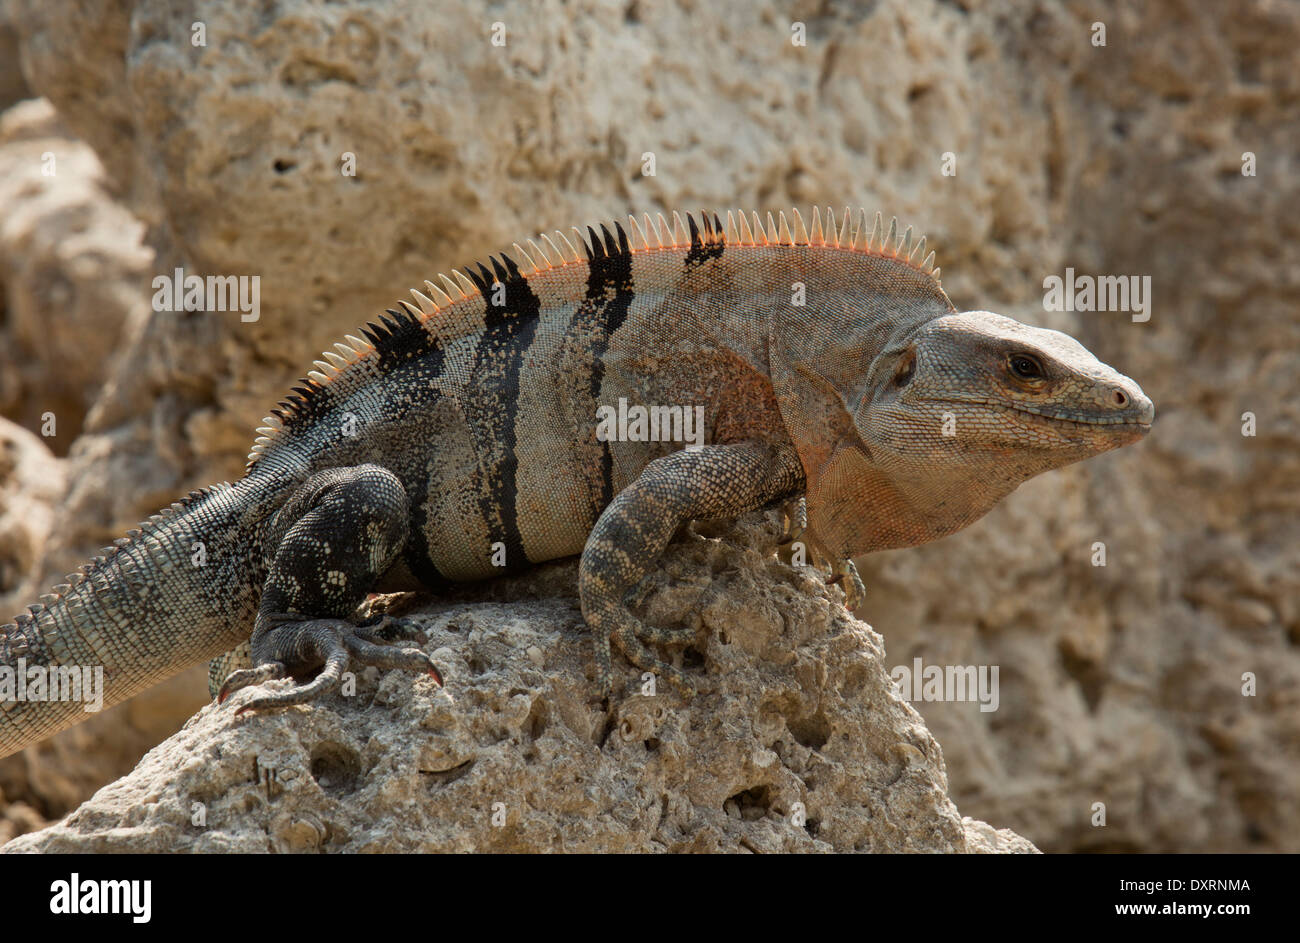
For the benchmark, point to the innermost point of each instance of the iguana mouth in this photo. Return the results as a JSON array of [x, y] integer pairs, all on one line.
[[1055, 417]]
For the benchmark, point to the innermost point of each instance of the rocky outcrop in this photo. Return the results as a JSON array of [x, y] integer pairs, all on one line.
[[50, 779], [72, 274], [1122, 684], [31, 483], [801, 743]]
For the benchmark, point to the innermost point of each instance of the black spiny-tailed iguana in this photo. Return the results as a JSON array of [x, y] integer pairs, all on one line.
[[464, 428]]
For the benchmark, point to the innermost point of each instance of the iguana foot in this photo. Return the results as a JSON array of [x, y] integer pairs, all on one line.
[[271, 671], [845, 572], [305, 644], [382, 627], [652, 634], [618, 625], [794, 517]]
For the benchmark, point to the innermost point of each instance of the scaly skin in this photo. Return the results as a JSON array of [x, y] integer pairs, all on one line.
[[459, 440]]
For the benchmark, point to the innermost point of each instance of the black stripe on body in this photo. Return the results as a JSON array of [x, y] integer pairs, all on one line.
[[498, 362], [603, 311], [399, 337], [416, 554]]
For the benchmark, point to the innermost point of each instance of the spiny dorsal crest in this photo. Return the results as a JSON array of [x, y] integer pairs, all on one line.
[[438, 316]]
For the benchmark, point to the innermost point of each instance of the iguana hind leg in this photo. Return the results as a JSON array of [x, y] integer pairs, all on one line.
[[715, 481], [331, 540]]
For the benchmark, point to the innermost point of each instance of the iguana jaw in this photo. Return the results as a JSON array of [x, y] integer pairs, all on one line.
[[1140, 419], [1103, 432]]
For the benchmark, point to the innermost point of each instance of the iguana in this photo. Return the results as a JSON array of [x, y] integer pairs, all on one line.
[[461, 438]]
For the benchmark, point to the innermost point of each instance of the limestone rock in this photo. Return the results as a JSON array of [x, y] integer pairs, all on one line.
[[53, 777], [13, 87], [17, 818], [72, 265], [31, 481], [801, 745], [72, 269]]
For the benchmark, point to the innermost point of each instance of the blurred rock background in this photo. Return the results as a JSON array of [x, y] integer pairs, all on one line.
[[1120, 684]]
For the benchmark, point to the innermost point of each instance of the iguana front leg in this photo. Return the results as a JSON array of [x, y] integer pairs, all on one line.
[[331, 540], [712, 482]]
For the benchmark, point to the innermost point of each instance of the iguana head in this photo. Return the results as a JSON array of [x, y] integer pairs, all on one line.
[[958, 414], [912, 419]]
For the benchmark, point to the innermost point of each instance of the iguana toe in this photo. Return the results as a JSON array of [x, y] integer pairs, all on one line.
[[794, 514], [386, 628], [611, 623], [333, 643], [845, 572], [654, 635], [381, 656], [245, 677]]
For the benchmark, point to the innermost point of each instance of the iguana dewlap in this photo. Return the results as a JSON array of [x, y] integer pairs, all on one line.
[[463, 438]]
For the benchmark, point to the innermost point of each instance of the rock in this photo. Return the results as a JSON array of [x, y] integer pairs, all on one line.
[[72, 268], [1126, 684], [31, 482], [17, 818], [13, 87], [802, 745], [53, 777]]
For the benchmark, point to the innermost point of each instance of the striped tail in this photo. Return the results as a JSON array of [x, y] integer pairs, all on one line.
[[180, 590]]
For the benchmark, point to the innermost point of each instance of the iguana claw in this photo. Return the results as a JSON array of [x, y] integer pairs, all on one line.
[[845, 572], [304, 645], [794, 517]]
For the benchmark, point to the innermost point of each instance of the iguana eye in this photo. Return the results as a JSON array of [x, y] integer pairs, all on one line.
[[906, 369], [1025, 367]]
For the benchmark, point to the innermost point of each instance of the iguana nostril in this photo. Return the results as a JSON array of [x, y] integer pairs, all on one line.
[[1119, 397]]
